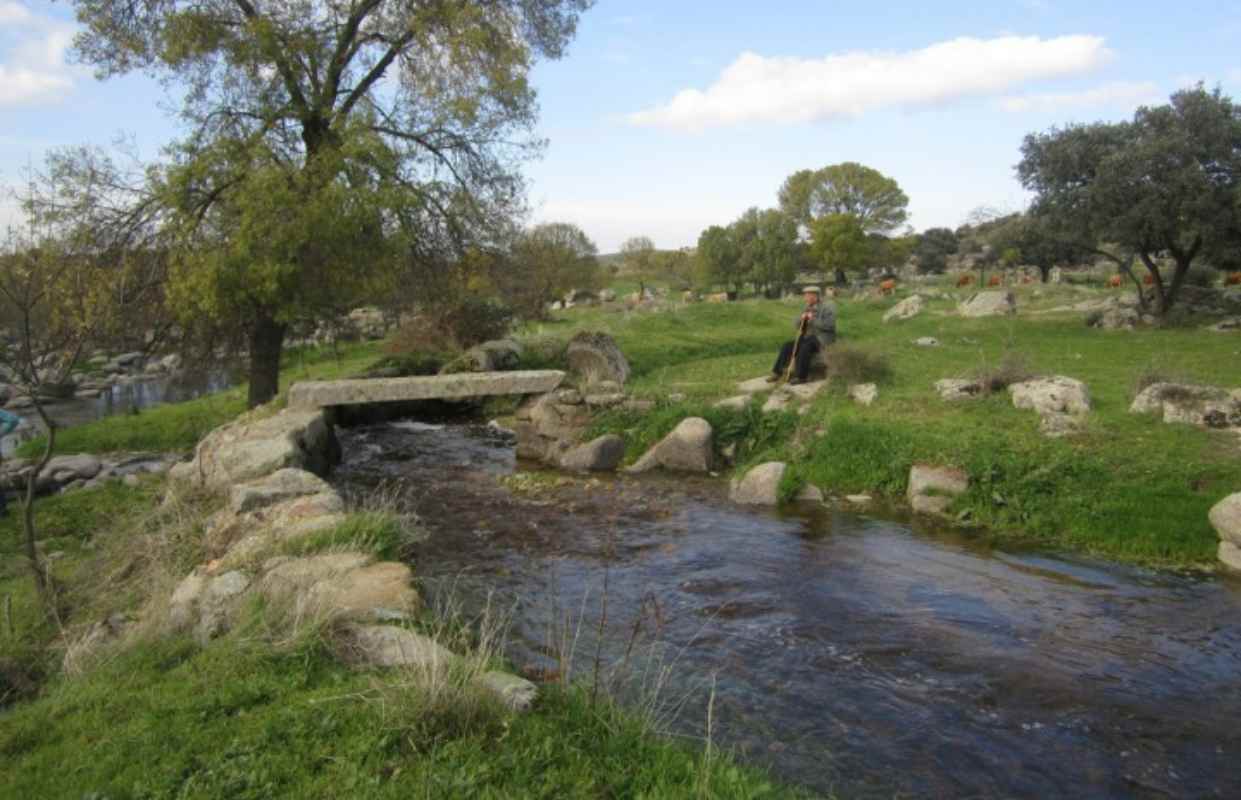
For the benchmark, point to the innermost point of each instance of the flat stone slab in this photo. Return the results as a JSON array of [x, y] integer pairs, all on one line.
[[323, 394]]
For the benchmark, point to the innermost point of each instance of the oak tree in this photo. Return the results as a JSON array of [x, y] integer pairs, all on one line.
[[328, 143]]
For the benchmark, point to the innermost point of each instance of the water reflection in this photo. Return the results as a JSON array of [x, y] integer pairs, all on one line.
[[122, 398]]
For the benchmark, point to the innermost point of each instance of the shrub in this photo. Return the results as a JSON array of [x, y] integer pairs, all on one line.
[[854, 365], [452, 328], [1012, 368], [1201, 276]]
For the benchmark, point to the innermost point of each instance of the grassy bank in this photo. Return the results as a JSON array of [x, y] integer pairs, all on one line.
[[271, 709], [1128, 487], [179, 426], [243, 721]]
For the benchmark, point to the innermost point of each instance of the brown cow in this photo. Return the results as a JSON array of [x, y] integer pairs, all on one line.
[[887, 287], [1233, 280], [1148, 279], [993, 281], [1114, 282], [965, 280]]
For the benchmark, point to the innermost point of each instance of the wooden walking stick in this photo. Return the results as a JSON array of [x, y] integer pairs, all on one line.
[[801, 331]]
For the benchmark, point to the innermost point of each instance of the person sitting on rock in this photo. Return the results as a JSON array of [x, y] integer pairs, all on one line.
[[817, 326]]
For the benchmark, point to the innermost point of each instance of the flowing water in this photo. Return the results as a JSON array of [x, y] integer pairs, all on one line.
[[847, 653]]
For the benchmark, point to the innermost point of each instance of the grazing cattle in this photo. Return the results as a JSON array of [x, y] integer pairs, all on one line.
[[721, 297], [1147, 279], [1114, 282], [993, 281], [887, 287], [1233, 280], [965, 280]]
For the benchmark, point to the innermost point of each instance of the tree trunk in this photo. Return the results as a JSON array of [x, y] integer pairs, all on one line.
[[266, 344], [42, 579], [1161, 293]]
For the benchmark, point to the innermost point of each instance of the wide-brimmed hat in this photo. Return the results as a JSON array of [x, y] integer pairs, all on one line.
[[810, 289]]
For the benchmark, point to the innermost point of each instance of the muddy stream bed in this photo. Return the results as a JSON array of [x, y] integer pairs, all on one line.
[[847, 653]]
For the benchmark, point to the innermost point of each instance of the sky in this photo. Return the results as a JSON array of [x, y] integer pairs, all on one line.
[[667, 117]]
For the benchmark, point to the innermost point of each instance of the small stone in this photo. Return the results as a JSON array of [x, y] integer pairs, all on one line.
[[569, 397], [131, 481], [754, 386], [927, 341], [688, 448], [600, 455], [932, 488], [858, 499], [516, 694], [735, 403], [810, 494], [760, 486], [390, 646], [955, 389], [864, 393]]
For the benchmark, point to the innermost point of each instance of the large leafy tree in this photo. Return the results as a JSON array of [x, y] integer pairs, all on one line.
[[933, 248], [1165, 185], [720, 254], [839, 244], [548, 261], [774, 250], [640, 260], [328, 143], [872, 198]]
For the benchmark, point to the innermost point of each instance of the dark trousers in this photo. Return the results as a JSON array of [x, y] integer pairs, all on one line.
[[806, 351]]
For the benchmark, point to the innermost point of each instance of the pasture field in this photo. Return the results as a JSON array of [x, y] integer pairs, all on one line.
[[1128, 487]]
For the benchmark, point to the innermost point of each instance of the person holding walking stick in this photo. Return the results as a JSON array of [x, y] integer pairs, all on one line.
[[816, 329]]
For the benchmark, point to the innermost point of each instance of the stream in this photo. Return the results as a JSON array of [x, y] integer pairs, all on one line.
[[846, 653]]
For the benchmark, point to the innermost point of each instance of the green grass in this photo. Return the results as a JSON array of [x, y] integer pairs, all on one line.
[[1129, 487], [180, 426], [237, 721]]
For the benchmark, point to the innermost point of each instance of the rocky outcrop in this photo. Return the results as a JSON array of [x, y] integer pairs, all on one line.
[[1203, 406], [74, 472], [688, 448], [603, 454], [1061, 403], [258, 444], [595, 357], [989, 304], [933, 488], [908, 308], [547, 428], [760, 486], [955, 389]]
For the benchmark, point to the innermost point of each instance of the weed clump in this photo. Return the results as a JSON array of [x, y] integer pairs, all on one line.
[[855, 365], [1012, 368]]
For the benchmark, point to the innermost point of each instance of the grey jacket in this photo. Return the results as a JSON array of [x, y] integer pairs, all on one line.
[[822, 325]]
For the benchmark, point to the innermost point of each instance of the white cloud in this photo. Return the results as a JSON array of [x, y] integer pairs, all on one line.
[[33, 70], [1118, 94], [14, 14], [757, 88]]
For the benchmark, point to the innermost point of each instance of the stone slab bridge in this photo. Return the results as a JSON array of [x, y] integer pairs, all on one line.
[[314, 395]]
